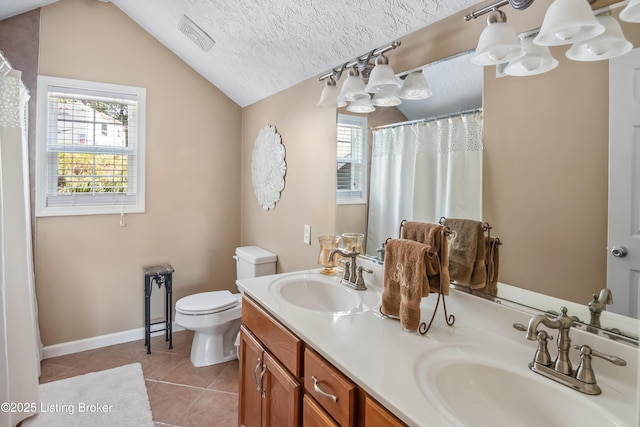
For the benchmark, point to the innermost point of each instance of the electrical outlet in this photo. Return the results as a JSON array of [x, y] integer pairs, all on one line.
[[307, 234]]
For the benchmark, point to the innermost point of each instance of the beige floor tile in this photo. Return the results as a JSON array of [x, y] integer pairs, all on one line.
[[185, 373], [212, 408], [227, 381], [169, 402]]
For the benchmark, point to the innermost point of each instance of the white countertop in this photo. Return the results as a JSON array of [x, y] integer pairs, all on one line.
[[386, 362]]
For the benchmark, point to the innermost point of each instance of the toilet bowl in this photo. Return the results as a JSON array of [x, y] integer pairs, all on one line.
[[215, 316], [215, 319]]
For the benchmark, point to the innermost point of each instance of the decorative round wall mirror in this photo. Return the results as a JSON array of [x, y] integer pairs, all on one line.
[[268, 167]]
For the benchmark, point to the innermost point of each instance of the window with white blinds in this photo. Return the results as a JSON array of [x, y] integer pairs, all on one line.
[[351, 182], [90, 148]]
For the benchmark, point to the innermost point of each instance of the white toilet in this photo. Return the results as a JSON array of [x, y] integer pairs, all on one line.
[[215, 316]]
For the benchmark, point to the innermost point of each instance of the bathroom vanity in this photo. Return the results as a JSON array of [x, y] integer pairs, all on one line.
[[316, 353]]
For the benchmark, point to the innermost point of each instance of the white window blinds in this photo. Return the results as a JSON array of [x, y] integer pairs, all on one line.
[[351, 159], [90, 148]]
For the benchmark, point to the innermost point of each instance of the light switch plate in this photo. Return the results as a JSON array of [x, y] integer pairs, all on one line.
[[307, 234]]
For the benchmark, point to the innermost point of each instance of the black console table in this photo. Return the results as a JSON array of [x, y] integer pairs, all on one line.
[[160, 275]]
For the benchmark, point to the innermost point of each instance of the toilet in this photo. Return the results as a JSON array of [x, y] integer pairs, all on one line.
[[215, 316]]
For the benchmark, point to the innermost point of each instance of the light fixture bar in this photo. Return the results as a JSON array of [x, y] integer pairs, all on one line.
[[479, 12], [336, 72]]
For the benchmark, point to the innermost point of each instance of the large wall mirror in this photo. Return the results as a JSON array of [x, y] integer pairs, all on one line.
[[544, 174]]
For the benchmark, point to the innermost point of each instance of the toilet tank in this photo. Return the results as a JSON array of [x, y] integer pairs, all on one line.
[[253, 261]]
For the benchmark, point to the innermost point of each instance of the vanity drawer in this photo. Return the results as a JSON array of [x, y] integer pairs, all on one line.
[[314, 416], [373, 414], [285, 346], [331, 389]]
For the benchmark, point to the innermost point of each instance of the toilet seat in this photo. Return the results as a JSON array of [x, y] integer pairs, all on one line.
[[206, 303]]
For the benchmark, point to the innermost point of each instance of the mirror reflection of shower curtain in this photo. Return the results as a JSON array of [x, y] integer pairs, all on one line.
[[423, 171], [20, 346]]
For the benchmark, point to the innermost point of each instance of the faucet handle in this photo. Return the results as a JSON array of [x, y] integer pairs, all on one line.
[[608, 357], [542, 355], [585, 373], [360, 286]]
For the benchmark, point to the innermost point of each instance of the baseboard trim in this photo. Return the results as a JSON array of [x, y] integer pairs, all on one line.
[[100, 341]]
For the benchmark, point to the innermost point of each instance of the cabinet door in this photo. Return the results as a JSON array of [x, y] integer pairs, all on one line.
[[281, 405], [314, 416], [250, 396], [375, 415]]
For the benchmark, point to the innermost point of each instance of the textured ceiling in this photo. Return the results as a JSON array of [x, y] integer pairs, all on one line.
[[265, 46]]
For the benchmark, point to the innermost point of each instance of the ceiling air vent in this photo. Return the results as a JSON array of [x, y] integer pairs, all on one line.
[[196, 34]]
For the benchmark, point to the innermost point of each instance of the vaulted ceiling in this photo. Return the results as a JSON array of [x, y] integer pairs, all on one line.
[[265, 46]]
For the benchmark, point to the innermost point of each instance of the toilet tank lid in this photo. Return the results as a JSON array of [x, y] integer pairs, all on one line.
[[255, 254]]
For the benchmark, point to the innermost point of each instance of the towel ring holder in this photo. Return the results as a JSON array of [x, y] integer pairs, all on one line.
[[450, 319]]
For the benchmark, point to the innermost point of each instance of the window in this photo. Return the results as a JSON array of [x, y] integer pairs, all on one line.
[[90, 148], [351, 155]]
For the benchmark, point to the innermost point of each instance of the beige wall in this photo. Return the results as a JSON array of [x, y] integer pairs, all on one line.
[[308, 134], [88, 268]]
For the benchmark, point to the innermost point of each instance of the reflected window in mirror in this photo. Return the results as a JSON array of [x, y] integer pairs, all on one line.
[[351, 178]]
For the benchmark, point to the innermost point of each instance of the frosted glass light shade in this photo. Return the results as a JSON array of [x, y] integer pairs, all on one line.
[[382, 77], [497, 44], [607, 45], [386, 99], [415, 86], [566, 22], [353, 87], [361, 105], [329, 96], [535, 60], [631, 12]]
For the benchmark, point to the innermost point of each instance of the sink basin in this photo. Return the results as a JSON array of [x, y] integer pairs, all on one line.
[[316, 292], [482, 392]]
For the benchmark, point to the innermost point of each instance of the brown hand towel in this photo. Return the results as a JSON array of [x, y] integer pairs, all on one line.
[[405, 278], [437, 267], [467, 252], [493, 265]]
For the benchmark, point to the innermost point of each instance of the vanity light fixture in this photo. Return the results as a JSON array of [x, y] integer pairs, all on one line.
[[631, 12], [566, 22], [498, 42], [607, 45], [415, 86], [382, 77], [535, 60], [373, 66]]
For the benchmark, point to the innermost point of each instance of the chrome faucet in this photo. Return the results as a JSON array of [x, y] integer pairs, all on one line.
[[582, 379], [353, 274]]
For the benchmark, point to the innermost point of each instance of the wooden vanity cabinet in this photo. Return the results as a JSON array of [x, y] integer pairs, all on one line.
[[274, 366], [270, 394]]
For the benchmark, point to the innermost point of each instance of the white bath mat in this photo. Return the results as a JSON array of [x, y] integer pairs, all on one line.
[[115, 397]]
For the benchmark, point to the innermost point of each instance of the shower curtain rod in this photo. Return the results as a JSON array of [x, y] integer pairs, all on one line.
[[429, 119]]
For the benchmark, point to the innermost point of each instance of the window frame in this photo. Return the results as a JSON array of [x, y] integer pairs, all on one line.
[[97, 203], [351, 197]]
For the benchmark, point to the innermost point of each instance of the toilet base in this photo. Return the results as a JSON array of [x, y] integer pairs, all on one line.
[[212, 349]]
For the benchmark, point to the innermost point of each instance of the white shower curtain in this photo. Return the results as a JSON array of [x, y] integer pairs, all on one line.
[[20, 346], [424, 171]]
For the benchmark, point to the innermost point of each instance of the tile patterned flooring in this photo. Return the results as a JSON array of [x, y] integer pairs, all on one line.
[[179, 393]]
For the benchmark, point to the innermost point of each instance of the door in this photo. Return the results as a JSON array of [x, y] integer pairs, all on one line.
[[281, 395], [623, 270], [250, 393]]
